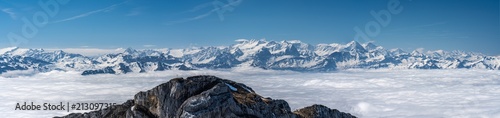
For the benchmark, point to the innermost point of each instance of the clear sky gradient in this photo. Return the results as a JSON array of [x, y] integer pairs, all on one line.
[[469, 25]]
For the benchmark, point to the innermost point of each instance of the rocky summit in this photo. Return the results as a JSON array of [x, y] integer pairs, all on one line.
[[207, 97]]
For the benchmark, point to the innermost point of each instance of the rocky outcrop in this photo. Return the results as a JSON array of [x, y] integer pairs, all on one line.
[[320, 111], [206, 96]]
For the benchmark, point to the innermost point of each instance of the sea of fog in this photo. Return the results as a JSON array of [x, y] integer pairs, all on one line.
[[364, 93]]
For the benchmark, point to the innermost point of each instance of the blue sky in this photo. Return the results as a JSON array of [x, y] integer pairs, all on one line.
[[468, 25]]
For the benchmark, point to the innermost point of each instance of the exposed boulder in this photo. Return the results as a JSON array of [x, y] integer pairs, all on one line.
[[206, 96], [320, 111]]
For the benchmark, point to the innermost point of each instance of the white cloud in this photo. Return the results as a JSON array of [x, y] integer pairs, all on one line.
[[421, 50], [107, 9], [18, 73], [241, 40], [149, 46], [10, 12], [364, 93]]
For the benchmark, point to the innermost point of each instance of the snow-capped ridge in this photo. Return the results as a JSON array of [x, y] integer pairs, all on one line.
[[7, 50], [278, 55]]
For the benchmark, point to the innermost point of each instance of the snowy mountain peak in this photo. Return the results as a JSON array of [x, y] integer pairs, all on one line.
[[130, 51], [417, 53], [370, 46], [236, 51], [250, 44], [353, 42], [59, 52], [355, 46], [397, 51], [251, 41], [292, 50]]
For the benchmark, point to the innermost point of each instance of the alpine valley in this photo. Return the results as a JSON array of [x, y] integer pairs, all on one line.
[[276, 55]]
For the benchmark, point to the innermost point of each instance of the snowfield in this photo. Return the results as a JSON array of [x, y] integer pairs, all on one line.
[[364, 93]]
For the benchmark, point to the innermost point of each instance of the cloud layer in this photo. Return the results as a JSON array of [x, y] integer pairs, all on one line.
[[364, 93]]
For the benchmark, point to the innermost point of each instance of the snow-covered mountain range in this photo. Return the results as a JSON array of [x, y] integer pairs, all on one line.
[[277, 55]]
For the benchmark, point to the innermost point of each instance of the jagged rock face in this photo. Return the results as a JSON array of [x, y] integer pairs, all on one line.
[[206, 96]]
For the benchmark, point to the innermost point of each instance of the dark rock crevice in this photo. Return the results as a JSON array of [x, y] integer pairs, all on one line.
[[203, 97]]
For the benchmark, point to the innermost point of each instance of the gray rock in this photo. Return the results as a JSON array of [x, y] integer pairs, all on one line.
[[320, 111], [206, 97]]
